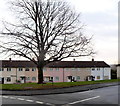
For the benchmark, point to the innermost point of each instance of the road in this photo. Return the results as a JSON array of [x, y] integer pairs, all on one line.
[[106, 95]]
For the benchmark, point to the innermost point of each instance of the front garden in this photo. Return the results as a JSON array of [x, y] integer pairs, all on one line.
[[32, 86]]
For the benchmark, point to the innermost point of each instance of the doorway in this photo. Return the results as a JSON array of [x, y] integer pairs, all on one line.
[[2, 80]]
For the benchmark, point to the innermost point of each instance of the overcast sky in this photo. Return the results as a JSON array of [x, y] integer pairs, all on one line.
[[101, 20]]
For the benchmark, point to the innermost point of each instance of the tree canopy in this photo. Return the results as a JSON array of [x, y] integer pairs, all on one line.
[[46, 31]]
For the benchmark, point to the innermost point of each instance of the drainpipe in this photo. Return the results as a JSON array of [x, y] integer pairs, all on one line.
[[103, 73], [63, 74], [16, 74]]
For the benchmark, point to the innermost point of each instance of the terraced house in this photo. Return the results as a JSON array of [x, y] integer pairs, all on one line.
[[118, 71], [61, 71]]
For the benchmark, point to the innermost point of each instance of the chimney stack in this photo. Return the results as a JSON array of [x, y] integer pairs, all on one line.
[[92, 59], [73, 59], [10, 59]]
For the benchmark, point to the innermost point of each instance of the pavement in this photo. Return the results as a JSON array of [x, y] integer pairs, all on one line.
[[57, 90]]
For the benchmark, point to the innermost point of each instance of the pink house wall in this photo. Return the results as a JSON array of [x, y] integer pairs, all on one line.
[[57, 73], [54, 73], [63, 73]]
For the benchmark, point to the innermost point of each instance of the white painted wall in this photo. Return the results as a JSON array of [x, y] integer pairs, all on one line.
[[118, 72], [107, 72], [15, 74], [103, 73]]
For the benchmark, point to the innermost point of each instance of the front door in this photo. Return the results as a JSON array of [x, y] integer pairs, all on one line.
[[69, 78], [2, 80], [23, 79]]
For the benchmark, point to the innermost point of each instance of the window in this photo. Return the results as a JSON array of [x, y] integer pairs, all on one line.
[[57, 69], [98, 69], [33, 69], [8, 69], [78, 69], [1, 69], [8, 79], [44, 69], [27, 78], [72, 69], [56, 78], [98, 77], [78, 77], [27, 69], [33, 78], [106, 77], [51, 69], [93, 69], [20, 69], [66, 69]]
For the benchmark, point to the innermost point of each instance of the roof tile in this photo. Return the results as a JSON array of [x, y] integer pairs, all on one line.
[[58, 64]]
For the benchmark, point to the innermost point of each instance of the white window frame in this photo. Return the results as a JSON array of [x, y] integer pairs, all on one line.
[[66, 69], [8, 69], [77, 78], [51, 69], [28, 78], [33, 69], [8, 80], [33, 78], [93, 69], [44, 69], [28, 69], [1, 69], [57, 69], [57, 78], [20, 69]]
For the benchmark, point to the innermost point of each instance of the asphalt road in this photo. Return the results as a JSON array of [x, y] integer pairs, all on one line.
[[106, 95]]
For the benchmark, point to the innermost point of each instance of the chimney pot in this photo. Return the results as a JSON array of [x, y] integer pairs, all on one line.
[[92, 59], [10, 59]]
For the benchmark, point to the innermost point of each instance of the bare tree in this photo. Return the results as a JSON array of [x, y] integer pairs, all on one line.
[[47, 31]]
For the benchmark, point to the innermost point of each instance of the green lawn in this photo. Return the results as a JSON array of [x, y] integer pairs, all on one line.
[[50, 85]]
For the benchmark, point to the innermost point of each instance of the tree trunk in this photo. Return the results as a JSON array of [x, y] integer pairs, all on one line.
[[40, 74]]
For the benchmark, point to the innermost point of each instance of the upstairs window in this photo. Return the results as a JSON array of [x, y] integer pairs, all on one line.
[[8, 69], [44, 69], [78, 69], [33, 69], [1, 69], [93, 69], [27, 69], [98, 69], [51, 69], [66, 69], [20, 69], [73, 69], [57, 69]]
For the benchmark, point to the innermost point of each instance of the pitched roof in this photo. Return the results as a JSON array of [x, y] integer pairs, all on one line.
[[77, 64], [58, 64], [118, 65], [17, 63]]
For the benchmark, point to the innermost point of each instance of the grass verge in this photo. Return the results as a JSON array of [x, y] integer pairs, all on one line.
[[33, 86]]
